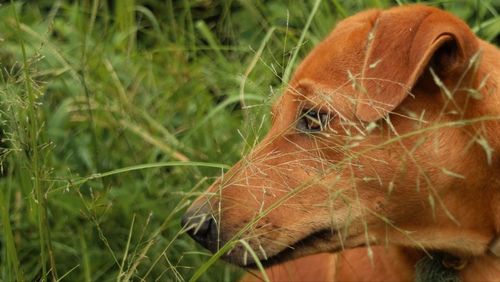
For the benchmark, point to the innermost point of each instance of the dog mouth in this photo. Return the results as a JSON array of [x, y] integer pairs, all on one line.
[[302, 247]]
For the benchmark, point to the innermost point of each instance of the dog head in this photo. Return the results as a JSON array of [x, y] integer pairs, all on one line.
[[378, 138]]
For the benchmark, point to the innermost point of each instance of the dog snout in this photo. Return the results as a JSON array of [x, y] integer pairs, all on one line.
[[202, 227]]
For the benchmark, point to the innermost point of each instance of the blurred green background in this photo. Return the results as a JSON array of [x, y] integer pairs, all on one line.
[[114, 115]]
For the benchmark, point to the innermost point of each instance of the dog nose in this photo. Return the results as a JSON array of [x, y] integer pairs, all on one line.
[[201, 227]]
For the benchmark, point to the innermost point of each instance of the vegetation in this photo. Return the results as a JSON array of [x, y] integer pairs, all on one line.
[[114, 115]]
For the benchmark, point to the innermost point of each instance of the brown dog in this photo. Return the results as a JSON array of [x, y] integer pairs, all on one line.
[[389, 134]]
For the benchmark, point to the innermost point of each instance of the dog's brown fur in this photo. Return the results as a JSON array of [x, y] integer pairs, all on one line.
[[403, 163], [388, 264]]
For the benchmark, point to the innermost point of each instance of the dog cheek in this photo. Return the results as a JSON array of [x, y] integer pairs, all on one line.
[[379, 205]]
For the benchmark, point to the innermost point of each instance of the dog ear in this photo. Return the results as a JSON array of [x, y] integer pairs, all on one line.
[[402, 44]]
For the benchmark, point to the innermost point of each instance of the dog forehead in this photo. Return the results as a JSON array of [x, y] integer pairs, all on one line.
[[331, 65], [335, 65], [340, 55]]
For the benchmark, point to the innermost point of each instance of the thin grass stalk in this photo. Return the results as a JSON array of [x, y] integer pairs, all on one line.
[[10, 252], [291, 63], [34, 161]]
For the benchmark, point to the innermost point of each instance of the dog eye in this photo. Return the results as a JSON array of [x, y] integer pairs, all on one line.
[[313, 121]]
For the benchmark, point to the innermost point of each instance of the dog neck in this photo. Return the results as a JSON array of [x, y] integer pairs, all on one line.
[[443, 266], [439, 267], [489, 74], [482, 268], [486, 265]]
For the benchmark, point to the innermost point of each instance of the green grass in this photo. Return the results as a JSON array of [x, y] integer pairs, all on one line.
[[113, 118]]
